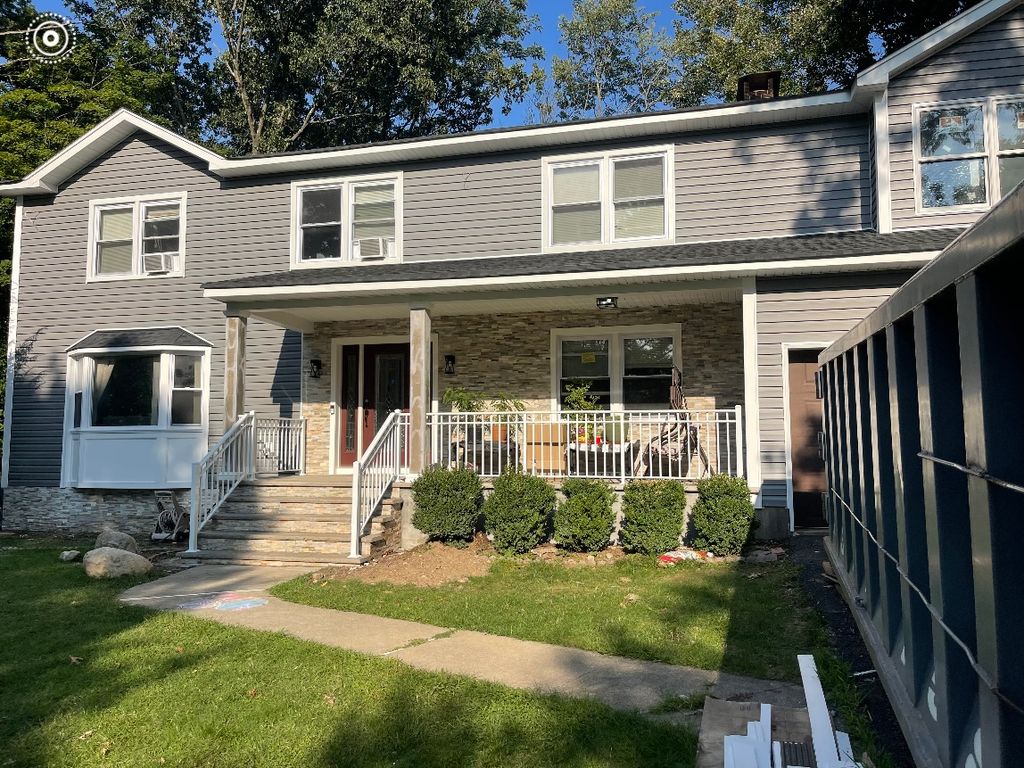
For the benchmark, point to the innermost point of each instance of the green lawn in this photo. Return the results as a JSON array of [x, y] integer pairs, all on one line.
[[739, 618], [86, 681]]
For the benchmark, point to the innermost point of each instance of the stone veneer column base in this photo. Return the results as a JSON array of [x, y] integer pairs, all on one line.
[[73, 511]]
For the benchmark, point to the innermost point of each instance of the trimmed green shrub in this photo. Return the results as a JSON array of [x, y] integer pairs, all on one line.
[[584, 521], [447, 503], [653, 512], [723, 517], [518, 512]]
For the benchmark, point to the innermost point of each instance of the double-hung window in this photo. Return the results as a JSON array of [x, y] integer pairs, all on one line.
[[969, 153], [608, 199], [136, 237], [347, 221], [623, 368]]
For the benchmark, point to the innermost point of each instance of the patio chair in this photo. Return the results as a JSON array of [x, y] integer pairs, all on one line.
[[677, 441]]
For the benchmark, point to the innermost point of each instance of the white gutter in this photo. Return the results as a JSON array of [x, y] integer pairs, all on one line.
[[619, 276]]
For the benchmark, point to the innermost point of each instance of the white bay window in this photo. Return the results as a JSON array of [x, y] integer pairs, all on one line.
[[608, 199], [136, 414], [347, 221]]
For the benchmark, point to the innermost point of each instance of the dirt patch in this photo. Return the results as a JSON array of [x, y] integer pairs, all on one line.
[[434, 564], [550, 553], [428, 566]]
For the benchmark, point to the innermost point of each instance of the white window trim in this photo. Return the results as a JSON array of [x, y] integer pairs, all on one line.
[[991, 155], [605, 160], [345, 184], [136, 202], [616, 365], [80, 368]]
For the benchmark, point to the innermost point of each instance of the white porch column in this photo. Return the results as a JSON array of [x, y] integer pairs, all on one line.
[[751, 407], [419, 381], [234, 368]]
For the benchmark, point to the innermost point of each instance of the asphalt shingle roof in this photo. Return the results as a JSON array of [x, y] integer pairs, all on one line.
[[862, 243], [140, 337]]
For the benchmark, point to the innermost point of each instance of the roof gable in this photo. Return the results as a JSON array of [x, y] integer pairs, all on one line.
[[94, 143], [879, 74]]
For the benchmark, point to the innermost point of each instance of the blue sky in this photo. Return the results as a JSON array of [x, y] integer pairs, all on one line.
[[548, 12]]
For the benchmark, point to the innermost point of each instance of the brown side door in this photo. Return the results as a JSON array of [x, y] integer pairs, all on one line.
[[805, 423]]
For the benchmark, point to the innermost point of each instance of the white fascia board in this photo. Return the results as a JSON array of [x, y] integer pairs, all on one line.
[[878, 74], [622, 276], [94, 143], [746, 113]]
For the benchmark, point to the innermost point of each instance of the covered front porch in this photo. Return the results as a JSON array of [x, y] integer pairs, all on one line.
[[645, 381], [652, 385]]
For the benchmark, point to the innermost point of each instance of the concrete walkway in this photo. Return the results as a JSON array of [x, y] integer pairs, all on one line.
[[236, 595]]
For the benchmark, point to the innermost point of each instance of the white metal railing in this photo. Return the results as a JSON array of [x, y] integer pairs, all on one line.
[[618, 445], [280, 446], [230, 461], [251, 446], [373, 474]]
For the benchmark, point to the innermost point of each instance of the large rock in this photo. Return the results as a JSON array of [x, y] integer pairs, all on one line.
[[110, 562], [117, 540]]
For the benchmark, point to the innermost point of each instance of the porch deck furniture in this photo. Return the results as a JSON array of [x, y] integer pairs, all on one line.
[[672, 451]]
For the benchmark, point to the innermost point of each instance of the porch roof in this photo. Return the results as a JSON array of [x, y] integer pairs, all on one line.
[[623, 261]]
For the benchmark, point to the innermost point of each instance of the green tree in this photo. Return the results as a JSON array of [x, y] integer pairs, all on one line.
[[817, 44], [717, 41], [307, 74], [616, 60]]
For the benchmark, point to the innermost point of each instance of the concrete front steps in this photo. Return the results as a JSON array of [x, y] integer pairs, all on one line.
[[303, 520]]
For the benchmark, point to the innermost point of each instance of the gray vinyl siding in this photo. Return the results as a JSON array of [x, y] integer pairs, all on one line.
[[803, 310], [989, 62], [57, 307], [792, 179], [476, 207]]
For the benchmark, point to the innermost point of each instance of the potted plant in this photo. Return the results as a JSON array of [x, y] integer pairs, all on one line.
[[504, 403], [463, 400], [578, 398]]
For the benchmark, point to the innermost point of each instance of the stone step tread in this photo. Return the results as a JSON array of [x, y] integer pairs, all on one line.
[[298, 481], [284, 516], [229, 556], [281, 536], [291, 501]]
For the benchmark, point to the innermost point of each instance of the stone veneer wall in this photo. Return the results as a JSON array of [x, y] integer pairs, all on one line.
[[512, 353], [68, 510]]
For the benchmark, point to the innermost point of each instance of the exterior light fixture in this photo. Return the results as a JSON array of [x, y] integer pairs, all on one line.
[[607, 302], [316, 368], [449, 365]]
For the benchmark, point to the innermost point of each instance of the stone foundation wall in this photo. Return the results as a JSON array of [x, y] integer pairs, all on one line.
[[512, 353], [68, 510]]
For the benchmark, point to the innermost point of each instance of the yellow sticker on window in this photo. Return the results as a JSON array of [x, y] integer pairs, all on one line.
[[588, 358]]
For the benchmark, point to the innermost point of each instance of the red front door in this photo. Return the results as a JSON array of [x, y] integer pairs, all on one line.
[[368, 397]]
